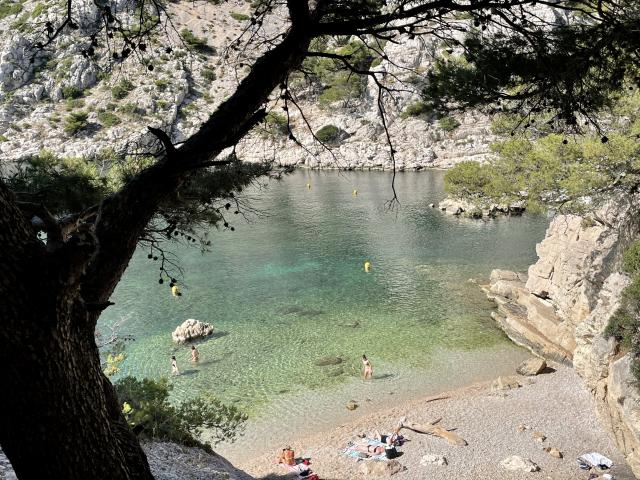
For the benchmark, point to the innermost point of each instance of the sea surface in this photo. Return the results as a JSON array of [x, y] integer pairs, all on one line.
[[287, 289]]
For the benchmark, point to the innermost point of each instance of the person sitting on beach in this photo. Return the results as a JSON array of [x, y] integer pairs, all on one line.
[[287, 457]]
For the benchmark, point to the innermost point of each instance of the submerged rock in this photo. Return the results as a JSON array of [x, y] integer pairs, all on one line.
[[191, 329], [326, 361]]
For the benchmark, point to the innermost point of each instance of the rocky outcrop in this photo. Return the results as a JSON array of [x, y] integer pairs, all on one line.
[[464, 208], [562, 307], [191, 330], [169, 461]]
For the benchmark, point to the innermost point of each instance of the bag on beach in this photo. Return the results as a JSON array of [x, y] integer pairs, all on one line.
[[390, 452]]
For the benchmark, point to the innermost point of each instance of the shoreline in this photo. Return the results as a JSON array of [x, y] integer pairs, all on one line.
[[556, 404]]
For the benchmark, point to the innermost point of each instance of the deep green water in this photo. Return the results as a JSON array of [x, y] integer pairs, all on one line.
[[289, 288]]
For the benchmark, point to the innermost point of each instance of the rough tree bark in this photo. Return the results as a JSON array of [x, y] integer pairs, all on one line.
[[58, 413]]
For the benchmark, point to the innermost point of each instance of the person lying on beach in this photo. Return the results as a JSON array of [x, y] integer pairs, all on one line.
[[388, 449], [391, 439]]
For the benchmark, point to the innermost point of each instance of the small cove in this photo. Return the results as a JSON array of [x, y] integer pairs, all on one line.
[[288, 289]]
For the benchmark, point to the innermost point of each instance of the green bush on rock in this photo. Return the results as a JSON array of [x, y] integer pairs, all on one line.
[[328, 134], [624, 324], [448, 124], [75, 122]]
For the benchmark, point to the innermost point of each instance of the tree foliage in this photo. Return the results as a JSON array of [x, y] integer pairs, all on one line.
[[146, 406], [553, 171]]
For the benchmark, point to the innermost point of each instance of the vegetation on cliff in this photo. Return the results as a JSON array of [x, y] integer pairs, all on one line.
[[624, 324]]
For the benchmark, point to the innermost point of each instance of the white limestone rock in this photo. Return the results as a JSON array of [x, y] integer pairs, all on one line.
[[191, 329]]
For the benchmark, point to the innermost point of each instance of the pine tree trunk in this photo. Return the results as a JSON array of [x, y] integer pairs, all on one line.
[[59, 416]]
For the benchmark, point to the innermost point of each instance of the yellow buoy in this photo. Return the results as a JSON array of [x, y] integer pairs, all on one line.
[[175, 291], [308, 186], [367, 266], [355, 193]]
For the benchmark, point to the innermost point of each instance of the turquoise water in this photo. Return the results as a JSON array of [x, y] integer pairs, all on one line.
[[288, 288]]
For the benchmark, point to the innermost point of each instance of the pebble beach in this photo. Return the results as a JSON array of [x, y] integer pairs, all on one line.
[[496, 424]]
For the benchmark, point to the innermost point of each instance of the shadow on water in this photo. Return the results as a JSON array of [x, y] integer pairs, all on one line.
[[189, 372]]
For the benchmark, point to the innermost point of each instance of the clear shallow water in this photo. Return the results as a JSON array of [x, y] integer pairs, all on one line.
[[289, 289]]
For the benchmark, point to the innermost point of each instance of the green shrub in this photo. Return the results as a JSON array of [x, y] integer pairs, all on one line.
[[468, 179], [108, 119], [276, 123], [9, 7], [161, 84], [131, 109], [194, 42], [631, 259], [328, 134], [71, 92], [417, 109], [448, 124], [73, 104], [146, 404], [240, 17], [208, 74], [623, 326], [75, 122], [122, 89], [38, 9], [3, 138]]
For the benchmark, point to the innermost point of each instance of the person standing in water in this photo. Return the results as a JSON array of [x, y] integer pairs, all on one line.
[[368, 368], [195, 354], [174, 366]]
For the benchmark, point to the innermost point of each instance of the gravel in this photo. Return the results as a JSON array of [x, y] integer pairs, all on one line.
[[556, 404]]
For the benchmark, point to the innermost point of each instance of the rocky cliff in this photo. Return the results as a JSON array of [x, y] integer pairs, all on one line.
[[562, 307], [61, 100]]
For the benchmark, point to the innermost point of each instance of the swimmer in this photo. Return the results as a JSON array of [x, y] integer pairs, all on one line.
[[368, 368]]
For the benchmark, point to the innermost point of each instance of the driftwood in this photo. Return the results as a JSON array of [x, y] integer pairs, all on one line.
[[433, 429]]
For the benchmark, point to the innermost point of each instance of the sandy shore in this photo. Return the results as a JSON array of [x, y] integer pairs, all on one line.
[[556, 404]]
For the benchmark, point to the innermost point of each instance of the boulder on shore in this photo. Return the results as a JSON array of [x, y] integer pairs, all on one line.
[[190, 330], [532, 366]]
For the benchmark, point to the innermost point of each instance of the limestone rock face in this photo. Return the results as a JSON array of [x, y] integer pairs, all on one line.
[[190, 330], [562, 309], [561, 288]]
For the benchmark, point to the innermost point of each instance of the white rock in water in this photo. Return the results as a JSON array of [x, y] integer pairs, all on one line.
[[191, 329], [515, 462]]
